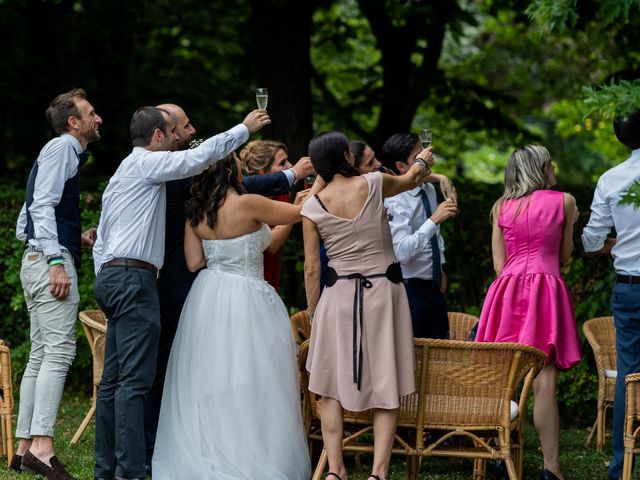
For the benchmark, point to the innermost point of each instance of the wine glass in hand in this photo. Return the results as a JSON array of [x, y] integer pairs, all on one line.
[[262, 98], [425, 137]]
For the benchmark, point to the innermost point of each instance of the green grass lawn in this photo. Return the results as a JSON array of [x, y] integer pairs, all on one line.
[[578, 462]]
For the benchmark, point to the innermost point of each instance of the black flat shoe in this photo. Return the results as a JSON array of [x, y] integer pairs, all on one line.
[[16, 461], [334, 474], [374, 476], [547, 475]]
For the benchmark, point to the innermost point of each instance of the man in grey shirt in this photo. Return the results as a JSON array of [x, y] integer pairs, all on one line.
[[128, 254], [49, 224]]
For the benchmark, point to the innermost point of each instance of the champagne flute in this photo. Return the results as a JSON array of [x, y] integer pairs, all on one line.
[[262, 98], [308, 180], [425, 137]]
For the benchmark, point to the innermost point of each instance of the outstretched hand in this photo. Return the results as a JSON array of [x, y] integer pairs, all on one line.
[[256, 120], [303, 167]]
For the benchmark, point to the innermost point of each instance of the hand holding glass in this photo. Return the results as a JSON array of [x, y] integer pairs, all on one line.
[[262, 98]]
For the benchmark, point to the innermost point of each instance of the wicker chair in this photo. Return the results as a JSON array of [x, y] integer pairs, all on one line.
[[94, 324], [460, 325], [6, 403], [300, 326], [631, 423], [601, 335], [463, 389]]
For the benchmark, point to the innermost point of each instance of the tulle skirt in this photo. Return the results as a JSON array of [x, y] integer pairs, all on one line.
[[231, 401]]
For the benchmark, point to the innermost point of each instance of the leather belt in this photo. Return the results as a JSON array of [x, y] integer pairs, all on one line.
[[630, 279], [130, 262]]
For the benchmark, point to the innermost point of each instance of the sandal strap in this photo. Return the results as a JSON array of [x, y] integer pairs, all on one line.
[[334, 474]]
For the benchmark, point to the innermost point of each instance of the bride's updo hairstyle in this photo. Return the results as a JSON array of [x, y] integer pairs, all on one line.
[[329, 152], [209, 191]]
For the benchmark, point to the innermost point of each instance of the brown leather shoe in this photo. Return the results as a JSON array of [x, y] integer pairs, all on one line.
[[31, 464], [16, 461]]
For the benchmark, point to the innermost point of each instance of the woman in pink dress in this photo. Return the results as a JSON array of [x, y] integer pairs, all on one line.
[[529, 302]]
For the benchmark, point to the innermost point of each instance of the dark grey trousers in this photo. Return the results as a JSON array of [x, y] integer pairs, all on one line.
[[129, 298]]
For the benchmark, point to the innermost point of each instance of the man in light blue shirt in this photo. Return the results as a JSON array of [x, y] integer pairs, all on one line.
[[415, 218], [607, 211]]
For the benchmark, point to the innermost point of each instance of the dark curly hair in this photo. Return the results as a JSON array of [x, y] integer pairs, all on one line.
[[627, 129], [209, 191], [327, 153]]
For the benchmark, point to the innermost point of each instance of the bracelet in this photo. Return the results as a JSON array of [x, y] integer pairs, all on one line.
[[295, 176], [423, 164], [55, 261]]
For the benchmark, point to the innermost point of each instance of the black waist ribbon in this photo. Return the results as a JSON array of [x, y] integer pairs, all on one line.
[[393, 274]]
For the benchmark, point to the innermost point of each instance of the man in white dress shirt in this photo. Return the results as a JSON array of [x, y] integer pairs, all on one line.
[[414, 217], [128, 254], [608, 211], [49, 224]]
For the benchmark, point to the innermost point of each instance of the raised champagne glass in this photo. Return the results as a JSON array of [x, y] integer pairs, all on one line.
[[262, 98]]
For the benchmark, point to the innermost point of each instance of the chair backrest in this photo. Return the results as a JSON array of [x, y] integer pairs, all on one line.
[[458, 383], [94, 323], [601, 335], [469, 384], [300, 326], [6, 400], [460, 325]]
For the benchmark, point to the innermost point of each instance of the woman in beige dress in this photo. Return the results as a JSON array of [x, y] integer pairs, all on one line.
[[361, 351]]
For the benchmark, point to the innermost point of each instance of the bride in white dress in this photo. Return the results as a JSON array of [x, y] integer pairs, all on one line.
[[231, 401]]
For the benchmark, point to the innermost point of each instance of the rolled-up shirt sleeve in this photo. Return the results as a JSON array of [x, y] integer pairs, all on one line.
[[157, 167], [55, 166], [406, 244], [600, 222]]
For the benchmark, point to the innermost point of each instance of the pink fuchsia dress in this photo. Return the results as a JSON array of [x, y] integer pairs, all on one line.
[[529, 303]]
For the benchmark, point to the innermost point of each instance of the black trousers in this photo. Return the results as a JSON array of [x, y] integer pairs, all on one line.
[[428, 309], [129, 298], [169, 318]]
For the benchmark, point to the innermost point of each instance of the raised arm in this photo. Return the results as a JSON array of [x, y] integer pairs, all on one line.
[[570, 217], [393, 185], [311, 264], [193, 252], [271, 212], [280, 233]]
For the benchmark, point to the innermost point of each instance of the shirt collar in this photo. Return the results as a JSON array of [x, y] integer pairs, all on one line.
[[415, 191], [635, 155], [73, 141]]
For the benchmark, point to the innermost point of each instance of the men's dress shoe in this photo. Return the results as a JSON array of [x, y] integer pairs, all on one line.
[[56, 471], [16, 461], [547, 475]]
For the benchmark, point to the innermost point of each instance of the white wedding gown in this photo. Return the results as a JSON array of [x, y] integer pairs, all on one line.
[[231, 401]]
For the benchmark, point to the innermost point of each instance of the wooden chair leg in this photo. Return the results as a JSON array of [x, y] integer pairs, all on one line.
[[322, 462], [413, 467], [479, 469], [511, 469], [83, 425], [87, 418], [592, 433], [627, 466], [8, 425], [600, 429]]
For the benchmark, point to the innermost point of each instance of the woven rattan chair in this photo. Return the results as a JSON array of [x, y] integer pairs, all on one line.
[[601, 335], [460, 325], [631, 423], [94, 324], [464, 390], [6, 403], [300, 326]]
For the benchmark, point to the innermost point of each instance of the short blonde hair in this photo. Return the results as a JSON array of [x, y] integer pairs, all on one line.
[[259, 155]]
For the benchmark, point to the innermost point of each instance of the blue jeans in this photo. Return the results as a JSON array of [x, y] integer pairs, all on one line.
[[625, 304]]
